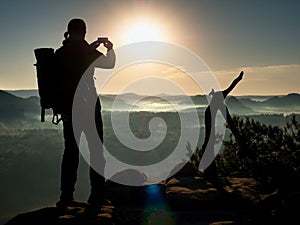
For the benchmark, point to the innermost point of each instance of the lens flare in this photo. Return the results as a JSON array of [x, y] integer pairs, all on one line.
[[156, 209]]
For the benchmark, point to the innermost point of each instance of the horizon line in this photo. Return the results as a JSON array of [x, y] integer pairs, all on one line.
[[238, 95]]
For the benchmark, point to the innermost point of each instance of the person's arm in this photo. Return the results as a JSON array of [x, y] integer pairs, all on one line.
[[233, 84], [105, 61]]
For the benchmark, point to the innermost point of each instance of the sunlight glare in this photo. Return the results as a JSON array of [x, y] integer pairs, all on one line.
[[143, 31]]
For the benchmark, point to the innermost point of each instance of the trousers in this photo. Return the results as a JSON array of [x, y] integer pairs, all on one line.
[[70, 159]]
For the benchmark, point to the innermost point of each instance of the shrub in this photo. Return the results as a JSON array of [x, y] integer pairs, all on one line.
[[264, 151]]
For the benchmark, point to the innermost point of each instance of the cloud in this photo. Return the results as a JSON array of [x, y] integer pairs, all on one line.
[[264, 80], [261, 69], [270, 79], [174, 72], [172, 69]]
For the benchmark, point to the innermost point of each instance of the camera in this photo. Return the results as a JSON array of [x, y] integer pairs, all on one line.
[[102, 39]]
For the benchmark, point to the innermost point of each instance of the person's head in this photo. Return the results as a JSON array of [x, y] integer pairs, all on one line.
[[76, 29]]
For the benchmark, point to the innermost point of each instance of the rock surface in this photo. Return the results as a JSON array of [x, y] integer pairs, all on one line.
[[71, 215], [181, 200]]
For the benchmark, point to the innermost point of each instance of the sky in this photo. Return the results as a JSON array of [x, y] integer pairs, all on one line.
[[260, 37]]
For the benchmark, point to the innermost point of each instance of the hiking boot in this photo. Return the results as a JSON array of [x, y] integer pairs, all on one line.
[[97, 200], [62, 204]]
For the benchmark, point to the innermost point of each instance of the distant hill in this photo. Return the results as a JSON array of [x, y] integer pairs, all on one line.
[[23, 104], [276, 104], [34, 99], [13, 108], [255, 98], [107, 102], [250, 102], [236, 107], [200, 99], [290, 100], [24, 93]]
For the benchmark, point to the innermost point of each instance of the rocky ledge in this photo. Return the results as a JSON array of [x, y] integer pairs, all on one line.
[[181, 200]]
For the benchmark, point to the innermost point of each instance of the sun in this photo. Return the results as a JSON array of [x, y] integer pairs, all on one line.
[[143, 31]]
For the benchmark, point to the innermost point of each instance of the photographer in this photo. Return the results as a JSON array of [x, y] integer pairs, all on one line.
[[74, 59]]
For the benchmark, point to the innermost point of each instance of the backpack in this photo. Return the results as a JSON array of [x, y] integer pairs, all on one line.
[[47, 82]]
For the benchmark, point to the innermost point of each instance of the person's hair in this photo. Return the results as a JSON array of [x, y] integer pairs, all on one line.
[[75, 26]]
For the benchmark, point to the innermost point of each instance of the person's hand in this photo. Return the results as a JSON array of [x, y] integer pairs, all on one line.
[[95, 44], [107, 44]]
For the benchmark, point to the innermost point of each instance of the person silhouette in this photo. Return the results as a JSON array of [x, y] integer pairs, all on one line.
[[74, 60], [216, 104]]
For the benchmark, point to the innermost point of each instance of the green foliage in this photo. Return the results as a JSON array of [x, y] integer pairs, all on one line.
[[29, 168], [262, 150]]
